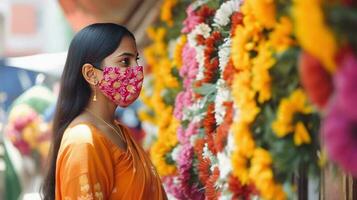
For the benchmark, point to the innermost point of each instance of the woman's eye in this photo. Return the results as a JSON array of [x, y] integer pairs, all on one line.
[[126, 62]]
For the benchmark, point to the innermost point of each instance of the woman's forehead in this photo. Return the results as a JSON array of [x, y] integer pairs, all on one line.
[[127, 45]]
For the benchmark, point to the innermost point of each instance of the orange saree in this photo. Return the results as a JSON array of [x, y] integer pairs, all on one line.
[[89, 166]]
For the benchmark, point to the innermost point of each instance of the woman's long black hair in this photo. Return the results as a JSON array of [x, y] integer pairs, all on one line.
[[90, 45]]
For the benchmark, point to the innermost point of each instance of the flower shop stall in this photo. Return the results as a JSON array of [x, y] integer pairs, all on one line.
[[253, 98]]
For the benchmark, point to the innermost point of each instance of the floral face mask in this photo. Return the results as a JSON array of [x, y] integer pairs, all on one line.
[[122, 85]]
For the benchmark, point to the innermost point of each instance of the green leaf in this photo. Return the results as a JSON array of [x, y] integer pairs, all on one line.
[[205, 89]]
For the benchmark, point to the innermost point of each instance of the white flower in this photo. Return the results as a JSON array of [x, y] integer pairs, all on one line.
[[204, 30], [192, 112], [176, 152], [193, 139], [225, 194], [224, 54], [200, 57], [201, 29], [224, 165], [230, 143], [206, 152], [223, 14], [223, 94]]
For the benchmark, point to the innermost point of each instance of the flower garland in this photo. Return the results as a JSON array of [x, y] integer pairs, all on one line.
[[223, 14], [157, 58], [225, 92]]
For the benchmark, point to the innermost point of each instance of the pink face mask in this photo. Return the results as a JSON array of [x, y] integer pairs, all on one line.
[[122, 85]]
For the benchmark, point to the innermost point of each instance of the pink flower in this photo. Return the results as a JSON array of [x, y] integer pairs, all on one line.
[[339, 133], [183, 99], [179, 105], [181, 135], [346, 85], [188, 187], [172, 187], [189, 68], [191, 20], [184, 135], [23, 147], [192, 129], [188, 73]]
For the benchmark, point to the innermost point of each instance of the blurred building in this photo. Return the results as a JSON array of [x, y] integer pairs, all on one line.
[[32, 26]]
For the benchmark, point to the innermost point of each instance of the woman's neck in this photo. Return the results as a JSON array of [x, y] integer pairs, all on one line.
[[102, 108]]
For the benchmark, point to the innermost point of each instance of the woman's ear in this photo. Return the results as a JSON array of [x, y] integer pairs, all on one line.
[[90, 74]]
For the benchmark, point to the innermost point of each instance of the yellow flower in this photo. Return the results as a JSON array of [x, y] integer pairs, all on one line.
[[313, 32], [301, 135], [261, 81], [163, 71], [240, 167], [280, 38], [264, 11], [249, 112], [261, 174], [283, 125], [241, 90], [177, 60], [144, 116], [240, 48], [166, 11], [244, 141], [166, 141]]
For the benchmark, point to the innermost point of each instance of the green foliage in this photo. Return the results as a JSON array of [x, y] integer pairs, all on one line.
[[288, 158], [343, 20]]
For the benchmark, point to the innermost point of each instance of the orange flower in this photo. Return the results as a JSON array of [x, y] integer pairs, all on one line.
[[211, 191], [239, 190], [209, 123], [222, 130], [228, 72]]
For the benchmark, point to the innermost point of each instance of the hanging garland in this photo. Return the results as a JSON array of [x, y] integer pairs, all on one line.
[[237, 89]]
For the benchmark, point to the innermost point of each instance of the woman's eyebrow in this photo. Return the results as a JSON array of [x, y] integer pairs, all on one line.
[[129, 54]]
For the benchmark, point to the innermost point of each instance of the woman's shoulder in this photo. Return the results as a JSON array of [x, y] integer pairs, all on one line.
[[82, 134]]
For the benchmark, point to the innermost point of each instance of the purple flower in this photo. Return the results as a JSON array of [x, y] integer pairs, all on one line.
[[346, 86], [339, 133]]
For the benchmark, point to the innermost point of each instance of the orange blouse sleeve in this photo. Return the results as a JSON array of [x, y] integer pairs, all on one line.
[[84, 171]]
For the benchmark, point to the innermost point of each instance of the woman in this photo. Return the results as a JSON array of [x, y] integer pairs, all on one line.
[[93, 157]]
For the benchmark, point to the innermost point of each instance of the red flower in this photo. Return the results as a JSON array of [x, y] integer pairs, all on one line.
[[228, 72], [204, 166], [209, 123], [200, 40], [205, 13], [315, 79], [237, 18], [240, 192], [222, 131], [211, 190]]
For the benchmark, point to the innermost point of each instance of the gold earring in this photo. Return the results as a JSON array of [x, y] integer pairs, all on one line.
[[95, 91]]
